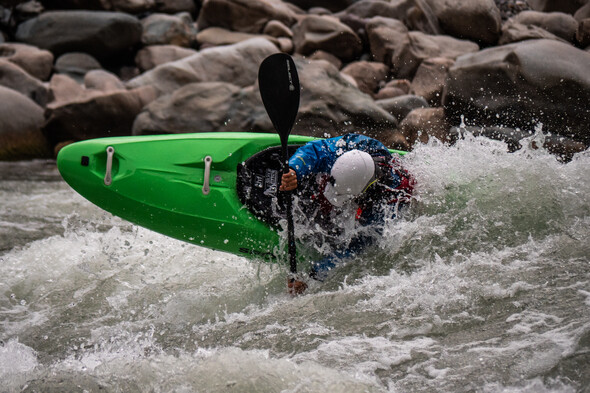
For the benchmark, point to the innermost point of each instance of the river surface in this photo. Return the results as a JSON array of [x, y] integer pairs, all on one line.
[[483, 285]]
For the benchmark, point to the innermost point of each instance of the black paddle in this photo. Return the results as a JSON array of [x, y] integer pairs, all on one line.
[[279, 88]]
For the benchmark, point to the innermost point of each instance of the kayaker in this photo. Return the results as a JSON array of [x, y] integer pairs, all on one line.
[[353, 173]]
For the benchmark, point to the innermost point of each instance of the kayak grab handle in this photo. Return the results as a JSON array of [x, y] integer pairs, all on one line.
[[108, 179], [206, 188]]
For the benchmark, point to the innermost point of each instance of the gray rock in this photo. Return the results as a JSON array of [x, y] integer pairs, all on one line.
[[209, 65], [583, 33], [404, 51], [95, 115], [522, 85], [558, 23], [217, 36], [332, 106], [14, 77], [98, 33], [415, 14], [401, 106], [476, 20], [155, 55], [567, 6], [329, 106], [164, 29], [200, 107], [512, 31], [20, 127], [326, 33], [76, 65]]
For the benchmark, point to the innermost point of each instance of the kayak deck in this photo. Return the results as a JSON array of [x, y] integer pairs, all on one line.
[[160, 182]]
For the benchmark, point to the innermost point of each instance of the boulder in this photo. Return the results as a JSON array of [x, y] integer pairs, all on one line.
[[557, 23], [420, 47], [237, 63], [277, 29], [164, 29], [567, 6], [522, 85], [173, 6], [509, 8], [201, 107], [404, 51], [330, 5], [248, 16], [95, 115], [423, 123], [76, 65], [416, 14], [583, 13], [330, 106], [286, 45], [393, 89], [21, 120], [401, 106], [155, 55], [430, 79], [217, 36], [103, 80], [132, 6], [326, 33], [98, 33], [395, 140], [330, 58], [100, 5], [476, 20], [14, 77], [583, 33], [385, 36], [367, 74], [37, 62], [65, 89], [512, 31]]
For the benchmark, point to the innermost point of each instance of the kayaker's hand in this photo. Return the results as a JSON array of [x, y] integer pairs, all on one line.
[[295, 286], [289, 181]]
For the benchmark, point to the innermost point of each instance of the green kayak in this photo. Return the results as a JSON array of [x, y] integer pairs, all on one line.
[[216, 190]]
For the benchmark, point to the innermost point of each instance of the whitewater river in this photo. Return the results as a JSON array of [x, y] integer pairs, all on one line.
[[483, 285]]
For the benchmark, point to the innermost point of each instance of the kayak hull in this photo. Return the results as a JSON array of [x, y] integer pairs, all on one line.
[[160, 182]]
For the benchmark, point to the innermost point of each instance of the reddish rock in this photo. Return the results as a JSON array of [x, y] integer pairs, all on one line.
[[328, 34], [248, 16], [155, 55], [430, 79], [367, 74], [37, 62], [423, 123]]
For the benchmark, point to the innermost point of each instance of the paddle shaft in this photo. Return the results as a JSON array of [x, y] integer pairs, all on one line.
[[292, 248]]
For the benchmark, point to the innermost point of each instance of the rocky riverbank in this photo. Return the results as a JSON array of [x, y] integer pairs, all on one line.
[[399, 70]]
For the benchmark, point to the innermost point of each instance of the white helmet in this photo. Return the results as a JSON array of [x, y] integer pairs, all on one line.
[[351, 173]]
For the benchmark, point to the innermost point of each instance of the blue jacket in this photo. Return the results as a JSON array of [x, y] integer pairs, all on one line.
[[319, 156]]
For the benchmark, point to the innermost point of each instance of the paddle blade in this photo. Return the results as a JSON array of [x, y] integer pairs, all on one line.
[[279, 88]]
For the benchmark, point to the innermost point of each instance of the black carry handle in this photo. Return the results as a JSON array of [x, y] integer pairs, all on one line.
[[279, 88]]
